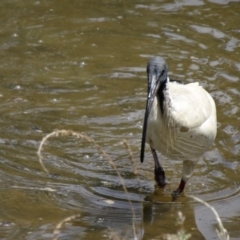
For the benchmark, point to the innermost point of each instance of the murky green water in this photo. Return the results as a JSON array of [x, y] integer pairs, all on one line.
[[80, 65]]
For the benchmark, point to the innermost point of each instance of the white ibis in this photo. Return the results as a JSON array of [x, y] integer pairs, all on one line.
[[179, 122]]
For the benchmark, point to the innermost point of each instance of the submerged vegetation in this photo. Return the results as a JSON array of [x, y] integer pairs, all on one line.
[[180, 234]]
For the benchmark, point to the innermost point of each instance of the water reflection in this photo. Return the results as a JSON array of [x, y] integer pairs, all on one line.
[[81, 66]]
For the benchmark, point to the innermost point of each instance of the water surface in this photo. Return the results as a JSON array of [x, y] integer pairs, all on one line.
[[80, 65]]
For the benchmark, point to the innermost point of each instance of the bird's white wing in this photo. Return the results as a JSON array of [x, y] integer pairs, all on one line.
[[190, 105]]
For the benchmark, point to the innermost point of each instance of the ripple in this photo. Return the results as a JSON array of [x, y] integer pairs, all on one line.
[[209, 30]]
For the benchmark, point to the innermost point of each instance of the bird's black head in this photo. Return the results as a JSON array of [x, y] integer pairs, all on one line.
[[157, 68], [157, 75]]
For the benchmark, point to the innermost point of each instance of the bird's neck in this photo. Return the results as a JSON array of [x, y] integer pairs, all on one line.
[[163, 94]]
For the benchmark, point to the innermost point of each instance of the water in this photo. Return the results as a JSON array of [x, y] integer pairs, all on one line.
[[80, 65]]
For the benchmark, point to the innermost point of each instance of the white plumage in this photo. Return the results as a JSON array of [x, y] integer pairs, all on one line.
[[180, 120]]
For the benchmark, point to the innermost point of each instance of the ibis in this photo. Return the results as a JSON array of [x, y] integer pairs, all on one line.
[[180, 121]]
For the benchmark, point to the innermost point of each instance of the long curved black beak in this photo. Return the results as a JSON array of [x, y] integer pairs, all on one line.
[[153, 85]]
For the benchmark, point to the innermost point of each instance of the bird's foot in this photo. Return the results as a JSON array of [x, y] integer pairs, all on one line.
[[175, 194], [160, 176]]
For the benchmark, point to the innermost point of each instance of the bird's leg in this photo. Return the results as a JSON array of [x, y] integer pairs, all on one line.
[[188, 167], [158, 171]]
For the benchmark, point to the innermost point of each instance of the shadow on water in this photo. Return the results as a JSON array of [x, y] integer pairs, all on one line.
[[81, 66]]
